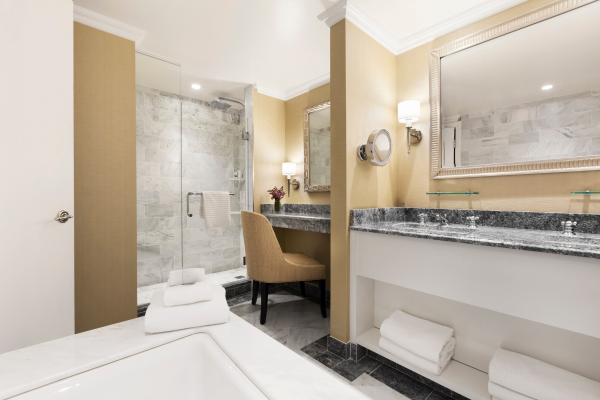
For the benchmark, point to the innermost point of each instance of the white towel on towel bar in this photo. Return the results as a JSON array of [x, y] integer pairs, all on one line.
[[186, 276], [163, 319], [538, 380], [502, 393], [215, 209], [424, 338], [188, 294], [419, 361]]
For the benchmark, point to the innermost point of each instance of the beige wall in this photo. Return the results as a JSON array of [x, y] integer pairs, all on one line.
[[363, 88], [294, 145], [105, 179], [269, 147], [541, 192]]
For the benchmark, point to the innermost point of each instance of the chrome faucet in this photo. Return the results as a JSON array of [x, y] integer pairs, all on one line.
[[472, 222], [422, 218], [569, 228], [443, 220]]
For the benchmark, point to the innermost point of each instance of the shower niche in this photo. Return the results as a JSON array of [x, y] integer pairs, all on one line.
[[186, 144]]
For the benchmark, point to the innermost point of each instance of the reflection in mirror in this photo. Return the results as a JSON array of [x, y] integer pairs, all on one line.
[[530, 95], [317, 148], [320, 150]]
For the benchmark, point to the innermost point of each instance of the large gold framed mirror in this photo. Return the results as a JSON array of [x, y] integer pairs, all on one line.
[[522, 97], [317, 148]]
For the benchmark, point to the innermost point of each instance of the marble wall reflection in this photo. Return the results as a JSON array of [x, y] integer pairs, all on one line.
[[320, 156], [185, 145], [558, 128]]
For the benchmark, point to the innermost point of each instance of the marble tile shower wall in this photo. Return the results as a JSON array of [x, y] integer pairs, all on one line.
[[320, 156], [185, 145], [562, 127]]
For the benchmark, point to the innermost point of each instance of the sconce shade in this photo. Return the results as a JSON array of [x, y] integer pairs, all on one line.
[[288, 168], [409, 111]]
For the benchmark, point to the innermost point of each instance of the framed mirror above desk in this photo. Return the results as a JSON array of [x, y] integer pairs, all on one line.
[[317, 148], [522, 97]]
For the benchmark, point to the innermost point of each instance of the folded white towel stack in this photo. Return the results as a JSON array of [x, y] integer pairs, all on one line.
[[423, 343], [186, 276], [187, 294], [163, 319], [215, 209], [514, 376]]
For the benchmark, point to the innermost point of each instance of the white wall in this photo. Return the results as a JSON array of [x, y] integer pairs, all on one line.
[[36, 171]]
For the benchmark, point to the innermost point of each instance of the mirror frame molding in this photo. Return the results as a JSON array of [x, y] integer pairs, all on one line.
[[518, 168], [306, 137]]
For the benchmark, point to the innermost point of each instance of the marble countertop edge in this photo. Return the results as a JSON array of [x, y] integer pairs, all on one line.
[[513, 244]]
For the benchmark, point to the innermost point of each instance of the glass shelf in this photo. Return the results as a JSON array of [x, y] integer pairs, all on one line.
[[586, 192], [440, 193]]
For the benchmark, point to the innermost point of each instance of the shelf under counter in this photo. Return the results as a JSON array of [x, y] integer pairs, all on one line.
[[460, 378]]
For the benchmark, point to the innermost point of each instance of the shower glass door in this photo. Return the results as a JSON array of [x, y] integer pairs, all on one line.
[[186, 143], [214, 159], [158, 153]]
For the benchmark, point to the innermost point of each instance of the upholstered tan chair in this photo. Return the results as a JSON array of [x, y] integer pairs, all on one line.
[[267, 264]]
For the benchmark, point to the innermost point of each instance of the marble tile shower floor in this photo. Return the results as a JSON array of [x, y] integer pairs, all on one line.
[[144, 293], [297, 324]]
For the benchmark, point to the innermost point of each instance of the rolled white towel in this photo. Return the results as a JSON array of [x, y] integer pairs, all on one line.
[[539, 380], [187, 294], [186, 276], [163, 319], [417, 360], [424, 338], [502, 393]]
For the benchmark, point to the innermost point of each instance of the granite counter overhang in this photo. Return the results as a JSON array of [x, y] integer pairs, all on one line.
[[304, 217], [584, 244]]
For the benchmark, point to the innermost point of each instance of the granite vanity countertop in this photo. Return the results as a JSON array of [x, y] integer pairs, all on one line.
[[547, 241], [314, 218]]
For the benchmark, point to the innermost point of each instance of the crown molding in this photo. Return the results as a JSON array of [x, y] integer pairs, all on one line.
[[267, 91], [474, 14], [109, 25], [351, 11], [296, 91], [307, 87], [348, 9]]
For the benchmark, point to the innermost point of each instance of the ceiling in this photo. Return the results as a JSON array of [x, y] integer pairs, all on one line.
[[227, 45], [512, 69]]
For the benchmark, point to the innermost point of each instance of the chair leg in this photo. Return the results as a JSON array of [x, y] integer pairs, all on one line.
[[322, 290], [302, 289], [254, 291], [264, 300]]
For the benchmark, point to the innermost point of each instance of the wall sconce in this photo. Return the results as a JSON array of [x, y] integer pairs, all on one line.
[[409, 111], [289, 169]]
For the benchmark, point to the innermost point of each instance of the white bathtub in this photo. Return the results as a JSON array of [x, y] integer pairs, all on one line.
[[227, 361], [194, 367]]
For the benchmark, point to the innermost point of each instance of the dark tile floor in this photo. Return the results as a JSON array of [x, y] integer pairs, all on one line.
[[296, 323]]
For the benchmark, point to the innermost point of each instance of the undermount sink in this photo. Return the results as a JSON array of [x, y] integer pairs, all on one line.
[[415, 226]]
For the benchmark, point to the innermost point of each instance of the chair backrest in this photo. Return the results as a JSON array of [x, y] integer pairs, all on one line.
[[263, 252]]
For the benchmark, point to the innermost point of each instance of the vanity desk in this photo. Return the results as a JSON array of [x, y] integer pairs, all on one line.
[[303, 217], [516, 281]]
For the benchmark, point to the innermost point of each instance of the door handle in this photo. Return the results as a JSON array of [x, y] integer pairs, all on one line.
[[62, 216]]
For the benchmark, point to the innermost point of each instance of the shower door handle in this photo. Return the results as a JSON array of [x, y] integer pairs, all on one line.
[[188, 203]]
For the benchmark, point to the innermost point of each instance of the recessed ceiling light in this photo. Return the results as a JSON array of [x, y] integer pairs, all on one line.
[[547, 87], [195, 86]]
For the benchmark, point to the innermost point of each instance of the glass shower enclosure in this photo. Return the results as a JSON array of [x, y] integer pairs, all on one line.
[[186, 145]]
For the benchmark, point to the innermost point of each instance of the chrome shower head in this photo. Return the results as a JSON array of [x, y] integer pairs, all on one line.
[[217, 103]]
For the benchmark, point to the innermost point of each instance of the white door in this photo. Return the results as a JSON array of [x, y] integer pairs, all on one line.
[[36, 171]]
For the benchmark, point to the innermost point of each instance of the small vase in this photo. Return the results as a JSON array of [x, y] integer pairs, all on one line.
[[277, 205]]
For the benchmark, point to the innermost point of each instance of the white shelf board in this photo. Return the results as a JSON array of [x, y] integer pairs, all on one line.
[[461, 378]]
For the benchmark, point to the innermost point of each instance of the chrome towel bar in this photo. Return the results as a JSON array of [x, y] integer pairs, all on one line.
[[196, 193]]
